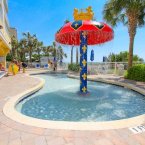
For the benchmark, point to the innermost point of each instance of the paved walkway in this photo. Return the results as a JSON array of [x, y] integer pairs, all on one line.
[[13, 133]]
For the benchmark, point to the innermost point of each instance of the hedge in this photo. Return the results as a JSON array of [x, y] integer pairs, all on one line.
[[136, 73], [74, 67]]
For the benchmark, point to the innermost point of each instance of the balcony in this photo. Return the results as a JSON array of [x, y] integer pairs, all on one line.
[[5, 36]]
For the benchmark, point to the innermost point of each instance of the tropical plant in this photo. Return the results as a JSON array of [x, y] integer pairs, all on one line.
[[77, 56], [53, 51], [47, 50], [123, 57], [136, 73], [66, 21], [39, 47], [14, 44], [31, 43], [60, 54], [131, 13], [74, 67], [22, 50], [28, 44], [9, 57], [72, 54]]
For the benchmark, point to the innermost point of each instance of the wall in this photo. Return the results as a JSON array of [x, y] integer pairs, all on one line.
[[5, 40]]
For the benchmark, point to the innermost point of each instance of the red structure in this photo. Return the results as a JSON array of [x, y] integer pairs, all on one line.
[[97, 33]]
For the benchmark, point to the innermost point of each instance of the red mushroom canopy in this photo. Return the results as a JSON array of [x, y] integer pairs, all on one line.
[[98, 33]]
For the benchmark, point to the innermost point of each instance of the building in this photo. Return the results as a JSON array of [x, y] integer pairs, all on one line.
[[13, 32], [5, 39]]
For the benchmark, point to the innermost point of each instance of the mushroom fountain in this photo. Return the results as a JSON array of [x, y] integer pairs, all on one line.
[[83, 32]]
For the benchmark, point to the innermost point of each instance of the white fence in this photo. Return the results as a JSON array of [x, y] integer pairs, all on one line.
[[117, 68]]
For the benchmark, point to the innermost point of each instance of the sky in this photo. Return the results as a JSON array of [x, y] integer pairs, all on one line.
[[45, 17]]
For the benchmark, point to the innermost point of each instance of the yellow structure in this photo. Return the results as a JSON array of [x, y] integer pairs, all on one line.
[[83, 15], [4, 32], [13, 68]]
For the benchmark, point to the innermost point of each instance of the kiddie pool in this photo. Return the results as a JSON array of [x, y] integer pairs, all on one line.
[[59, 101], [58, 105]]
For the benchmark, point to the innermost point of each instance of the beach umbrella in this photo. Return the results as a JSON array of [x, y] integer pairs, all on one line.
[[83, 32], [54, 59], [92, 55], [105, 59]]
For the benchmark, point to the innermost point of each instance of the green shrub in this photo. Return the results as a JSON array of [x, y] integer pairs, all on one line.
[[136, 73], [9, 57], [74, 67]]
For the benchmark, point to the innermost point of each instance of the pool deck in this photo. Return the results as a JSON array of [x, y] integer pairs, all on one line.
[[13, 133]]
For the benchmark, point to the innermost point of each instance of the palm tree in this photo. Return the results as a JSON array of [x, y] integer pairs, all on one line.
[[77, 56], [14, 44], [60, 53], [22, 50], [72, 54], [39, 47], [66, 21], [47, 50], [131, 13], [31, 43], [54, 50]]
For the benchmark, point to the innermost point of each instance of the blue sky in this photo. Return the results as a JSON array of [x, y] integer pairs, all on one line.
[[45, 17]]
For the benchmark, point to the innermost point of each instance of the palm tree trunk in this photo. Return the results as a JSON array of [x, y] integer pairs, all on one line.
[[38, 55], [131, 45], [30, 57], [13, 53], [77, 56], [132, 26], [72, 54]]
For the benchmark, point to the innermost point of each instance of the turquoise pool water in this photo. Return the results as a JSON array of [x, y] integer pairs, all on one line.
[[59, 101]]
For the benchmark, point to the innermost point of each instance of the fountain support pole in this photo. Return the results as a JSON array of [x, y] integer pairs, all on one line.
[[83, 63]]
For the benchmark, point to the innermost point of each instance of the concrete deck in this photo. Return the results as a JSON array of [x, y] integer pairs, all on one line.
[[13, 133]]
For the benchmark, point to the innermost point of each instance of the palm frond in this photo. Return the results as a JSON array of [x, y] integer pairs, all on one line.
[[116, 11]]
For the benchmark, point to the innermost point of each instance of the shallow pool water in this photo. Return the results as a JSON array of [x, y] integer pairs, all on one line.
[[59, 100]]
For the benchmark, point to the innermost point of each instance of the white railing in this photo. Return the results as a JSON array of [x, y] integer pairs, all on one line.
[[112, 68], [117, 68]]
